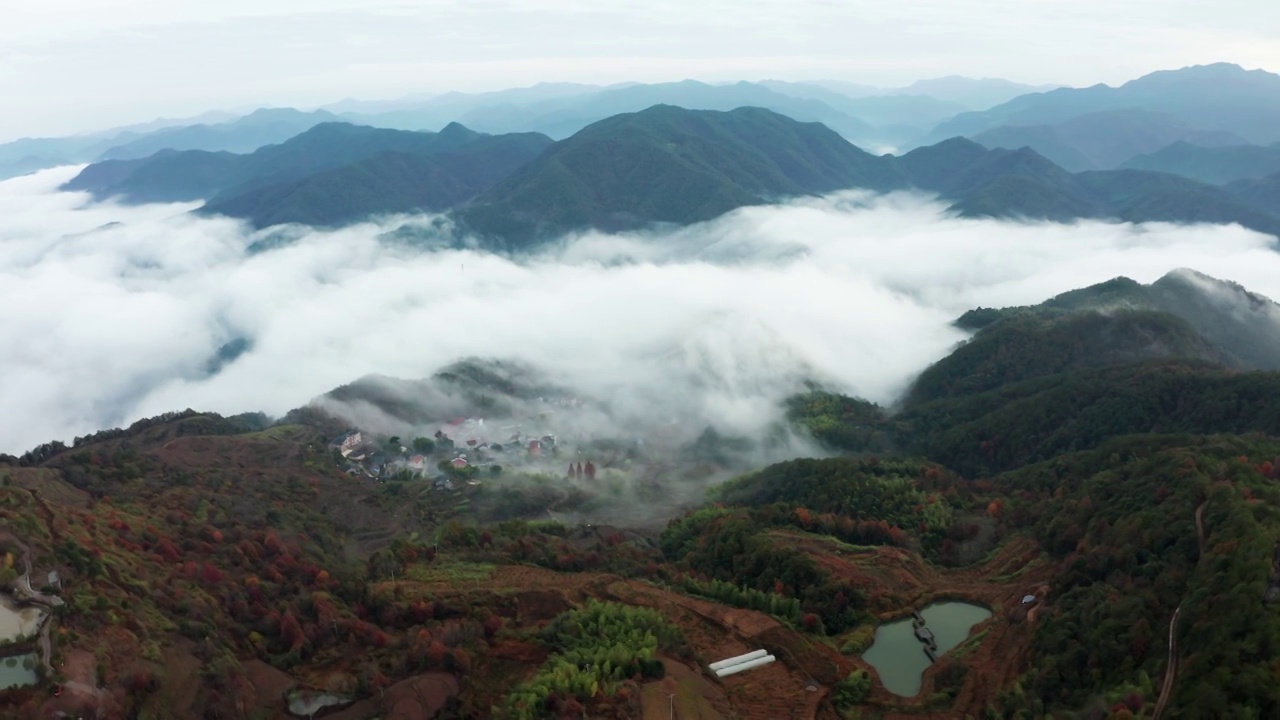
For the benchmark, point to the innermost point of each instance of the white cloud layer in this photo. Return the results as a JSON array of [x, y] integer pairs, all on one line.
[[109, 313]]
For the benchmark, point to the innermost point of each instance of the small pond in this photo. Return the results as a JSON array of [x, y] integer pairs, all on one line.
[[18, 671], [18, 622], [899, 657]]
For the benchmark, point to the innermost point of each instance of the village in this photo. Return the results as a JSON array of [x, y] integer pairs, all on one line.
[[463, 450]]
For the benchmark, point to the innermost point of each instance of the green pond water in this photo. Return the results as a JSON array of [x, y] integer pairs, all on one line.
[[899, 657], [18, 671]]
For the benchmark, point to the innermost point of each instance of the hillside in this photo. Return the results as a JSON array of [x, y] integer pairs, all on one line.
[[1029, 345], [669, 165], [1215, 165], [1103, 140], [200, 175], [1217, 98], [665, 165], [1262, 194], [1245, 326], [389, 182], [1022, 184]]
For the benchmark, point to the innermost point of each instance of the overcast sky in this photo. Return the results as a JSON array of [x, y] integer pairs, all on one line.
[[74, 65]]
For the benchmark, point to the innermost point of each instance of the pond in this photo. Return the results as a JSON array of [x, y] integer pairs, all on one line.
[[18, 622], [18, 671], [898, 656]]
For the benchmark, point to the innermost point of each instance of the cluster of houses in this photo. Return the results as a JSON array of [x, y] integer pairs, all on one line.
[[462, 442]]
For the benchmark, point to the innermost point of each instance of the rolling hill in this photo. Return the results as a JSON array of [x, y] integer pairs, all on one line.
[[1216, 165], [669, 165], [389, 182], [1103, 140], [1245, 326], [663, 165], [200, 175], [1221, 98]]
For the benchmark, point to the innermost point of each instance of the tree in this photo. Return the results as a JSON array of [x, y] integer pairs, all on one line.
[[851, 691], [424, 445]]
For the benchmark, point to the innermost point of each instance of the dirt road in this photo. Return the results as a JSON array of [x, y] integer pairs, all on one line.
[[1171, 669]]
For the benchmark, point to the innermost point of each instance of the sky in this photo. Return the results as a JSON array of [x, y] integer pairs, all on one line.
[[111, 314], [78, 65]]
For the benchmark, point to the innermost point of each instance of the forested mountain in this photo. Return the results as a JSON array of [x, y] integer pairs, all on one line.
[[1262, 194], [1021, 183], [1220, 97], [1104, 140], [670, 165], [1243, 325], [192, 175], [662, 165], [1217, 165], [389, 182]]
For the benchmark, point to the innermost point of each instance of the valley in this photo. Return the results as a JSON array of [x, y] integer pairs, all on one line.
[[777, 399], [275, 569]]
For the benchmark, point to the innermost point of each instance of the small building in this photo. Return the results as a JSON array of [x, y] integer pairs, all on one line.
[[535, 447], [1027, 599], [347, 442], [459, 462], [55, 580]]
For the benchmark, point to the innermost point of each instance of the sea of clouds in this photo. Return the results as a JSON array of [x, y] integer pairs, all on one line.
[[111, 313]]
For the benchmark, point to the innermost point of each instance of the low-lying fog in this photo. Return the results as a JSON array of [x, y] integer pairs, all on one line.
[[111, 313]]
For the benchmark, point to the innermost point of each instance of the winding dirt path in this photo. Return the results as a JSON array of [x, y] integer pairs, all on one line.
[[1171, 669]]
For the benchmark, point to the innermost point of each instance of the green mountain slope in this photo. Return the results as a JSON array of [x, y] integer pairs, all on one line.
[[1216, 165], [1244, 325], [669, 165], [390, 182], [1030, 345], [1262, 194], [1021, 183], [194, 174]]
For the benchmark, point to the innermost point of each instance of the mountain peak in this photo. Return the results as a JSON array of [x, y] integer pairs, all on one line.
[[457, 131]]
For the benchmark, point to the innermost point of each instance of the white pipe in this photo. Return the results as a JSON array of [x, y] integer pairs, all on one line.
[[736, 659], [745, 666]]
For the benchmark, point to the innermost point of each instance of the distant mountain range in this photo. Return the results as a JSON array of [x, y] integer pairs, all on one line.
[[214, 133], [662, 165], [1101, 127], [1104, 140], [331, 174], [1216, 165], [1080, 129], [876, 117]]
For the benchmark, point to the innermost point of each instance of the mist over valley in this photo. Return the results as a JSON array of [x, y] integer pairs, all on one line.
[[816, 362]]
